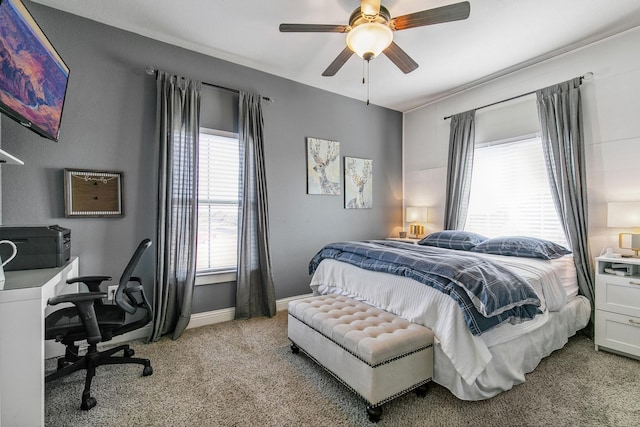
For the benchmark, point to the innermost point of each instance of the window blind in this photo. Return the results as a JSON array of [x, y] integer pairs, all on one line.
[[510, 192], [218, 181]]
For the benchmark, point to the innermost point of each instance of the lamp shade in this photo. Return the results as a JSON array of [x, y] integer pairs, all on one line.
[[368, 40], [623, 214], [416, 214]]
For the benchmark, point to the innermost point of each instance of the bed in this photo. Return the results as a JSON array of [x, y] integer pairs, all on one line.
[[473, 364]]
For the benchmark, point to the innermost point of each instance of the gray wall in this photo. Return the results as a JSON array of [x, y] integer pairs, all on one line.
[[109, 124]]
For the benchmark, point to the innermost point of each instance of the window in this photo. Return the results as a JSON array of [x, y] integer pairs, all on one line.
[[510, 192], [218, 181]]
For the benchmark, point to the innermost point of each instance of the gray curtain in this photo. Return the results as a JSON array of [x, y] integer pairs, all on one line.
[[178, 112], [461, 146], [560, 115], [255, 294]]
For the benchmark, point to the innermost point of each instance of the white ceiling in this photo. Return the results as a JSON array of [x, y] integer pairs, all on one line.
[[498, 37]]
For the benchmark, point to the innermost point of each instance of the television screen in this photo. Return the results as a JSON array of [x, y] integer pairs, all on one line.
[[33, 77]]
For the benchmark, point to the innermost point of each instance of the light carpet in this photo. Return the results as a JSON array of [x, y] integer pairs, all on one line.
[[242, 373]]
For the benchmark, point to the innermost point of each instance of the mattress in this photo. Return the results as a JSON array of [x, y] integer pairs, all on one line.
[[472, 367]]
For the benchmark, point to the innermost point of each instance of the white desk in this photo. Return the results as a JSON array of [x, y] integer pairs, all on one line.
[[23, 307]]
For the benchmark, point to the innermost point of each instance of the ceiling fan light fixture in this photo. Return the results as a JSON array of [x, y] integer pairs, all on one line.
[[369, 39]]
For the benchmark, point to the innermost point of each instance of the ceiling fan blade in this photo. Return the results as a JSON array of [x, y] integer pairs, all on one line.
[[337, 63], [370, 7], [313, 28], [452, 12], [400, 58]]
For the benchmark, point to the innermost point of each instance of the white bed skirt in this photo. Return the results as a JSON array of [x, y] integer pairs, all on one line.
[[513, 359]]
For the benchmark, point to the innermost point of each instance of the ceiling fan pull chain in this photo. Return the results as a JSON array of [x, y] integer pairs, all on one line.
[[368, 80]]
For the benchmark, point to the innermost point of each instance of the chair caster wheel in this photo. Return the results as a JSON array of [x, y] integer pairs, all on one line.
[[374, 413], [148, 370], [129, 352], [62, 362], [88, 403]]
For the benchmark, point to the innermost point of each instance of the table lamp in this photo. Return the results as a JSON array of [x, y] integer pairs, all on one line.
[[625, 215], [415, 216]]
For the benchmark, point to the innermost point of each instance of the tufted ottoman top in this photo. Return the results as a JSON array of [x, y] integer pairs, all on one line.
[[371, 334]]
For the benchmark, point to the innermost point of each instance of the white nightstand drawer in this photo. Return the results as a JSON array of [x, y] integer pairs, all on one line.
[[618, 294], [618, 332]]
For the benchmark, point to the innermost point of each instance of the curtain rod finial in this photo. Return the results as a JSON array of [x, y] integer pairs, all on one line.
[[150, 70], [588, 76]]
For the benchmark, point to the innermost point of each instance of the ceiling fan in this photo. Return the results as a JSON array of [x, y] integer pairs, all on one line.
[[370, 32]]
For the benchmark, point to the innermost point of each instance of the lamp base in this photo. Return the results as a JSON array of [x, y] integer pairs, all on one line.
[[629, 241], [416, 230]]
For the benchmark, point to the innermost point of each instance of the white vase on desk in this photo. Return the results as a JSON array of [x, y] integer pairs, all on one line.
[[5, 262]]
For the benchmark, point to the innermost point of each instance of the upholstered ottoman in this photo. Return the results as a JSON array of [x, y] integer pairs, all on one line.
[[378, 355]]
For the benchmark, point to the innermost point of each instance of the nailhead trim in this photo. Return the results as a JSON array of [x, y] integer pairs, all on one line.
[[370, 405]]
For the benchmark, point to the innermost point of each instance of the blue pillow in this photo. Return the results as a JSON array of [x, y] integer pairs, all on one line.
[[453, 239], [528, 247]]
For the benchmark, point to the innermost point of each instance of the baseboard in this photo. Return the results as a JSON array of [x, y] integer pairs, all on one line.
[[226, 314], [211, 317], [282, 304]]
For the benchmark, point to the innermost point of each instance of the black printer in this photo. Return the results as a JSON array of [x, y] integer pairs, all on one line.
[[39, 246]]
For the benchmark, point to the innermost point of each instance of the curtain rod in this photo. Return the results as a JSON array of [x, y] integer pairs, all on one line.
[[152, 71], [586, 76]]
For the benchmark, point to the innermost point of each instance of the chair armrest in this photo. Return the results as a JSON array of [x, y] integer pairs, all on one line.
[[131, 304], [88, 279], [133, 288], [130, 292], [92, 282], [75, 298], [84, 303]]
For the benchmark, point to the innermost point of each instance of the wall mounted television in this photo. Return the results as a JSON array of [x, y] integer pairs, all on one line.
[[33, 76]]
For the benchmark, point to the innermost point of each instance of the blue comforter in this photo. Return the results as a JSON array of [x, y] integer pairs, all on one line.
[[488, 294]]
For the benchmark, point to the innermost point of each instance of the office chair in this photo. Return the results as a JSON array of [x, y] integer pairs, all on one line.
[[92, 320]]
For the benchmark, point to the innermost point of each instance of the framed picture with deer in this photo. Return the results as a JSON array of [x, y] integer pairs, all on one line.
[[323, 166], [358, 183]]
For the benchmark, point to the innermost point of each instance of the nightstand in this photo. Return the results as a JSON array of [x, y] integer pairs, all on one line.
[[404, 239], [617, 307]]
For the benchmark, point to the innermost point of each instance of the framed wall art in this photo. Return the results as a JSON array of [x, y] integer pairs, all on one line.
[[323, 166], [90, 193], [358, 183]]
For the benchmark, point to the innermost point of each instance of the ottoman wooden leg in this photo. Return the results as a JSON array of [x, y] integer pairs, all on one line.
[[294, 349], [374, 412], [422, 390]]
